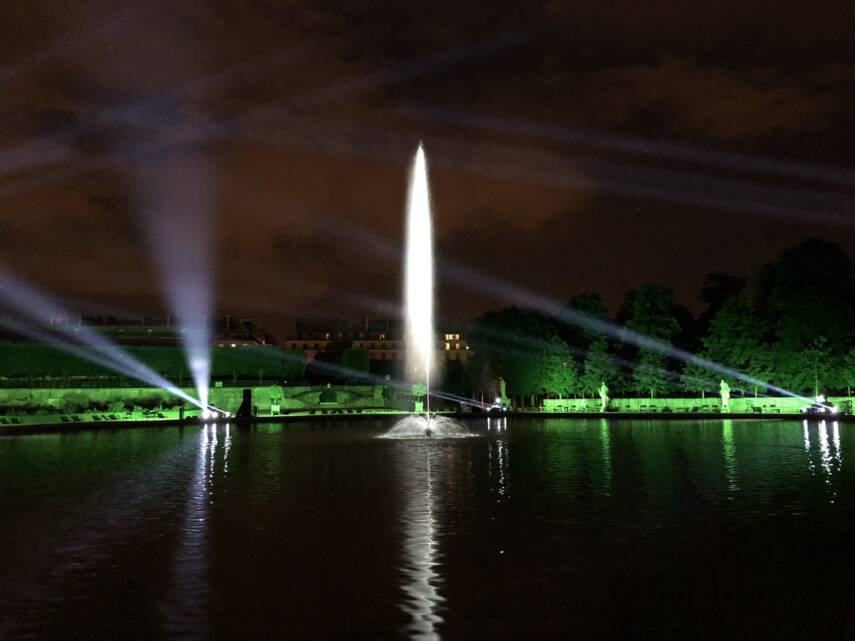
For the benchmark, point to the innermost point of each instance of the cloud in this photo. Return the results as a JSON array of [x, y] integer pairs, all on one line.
[[686, 98]]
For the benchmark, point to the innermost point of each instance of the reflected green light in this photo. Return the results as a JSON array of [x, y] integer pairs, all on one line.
[[729, 449]]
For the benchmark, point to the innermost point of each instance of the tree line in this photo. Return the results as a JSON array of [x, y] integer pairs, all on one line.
[[790, 326]]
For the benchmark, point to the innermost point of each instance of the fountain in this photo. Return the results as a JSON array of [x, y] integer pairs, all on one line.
[[418, 304]]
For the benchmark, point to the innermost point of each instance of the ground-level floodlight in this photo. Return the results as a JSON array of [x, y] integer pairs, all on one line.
[[212, 413]]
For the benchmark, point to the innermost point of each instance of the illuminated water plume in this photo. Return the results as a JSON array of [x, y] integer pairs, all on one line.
[[418, 266]]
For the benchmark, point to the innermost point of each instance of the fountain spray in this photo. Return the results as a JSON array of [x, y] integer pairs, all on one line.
[[418, 267]]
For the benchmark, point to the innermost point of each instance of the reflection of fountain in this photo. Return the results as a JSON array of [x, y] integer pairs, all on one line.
[[418, 304], [420, 546]]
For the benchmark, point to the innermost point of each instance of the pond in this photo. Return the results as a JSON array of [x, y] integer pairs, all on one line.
[[533, 528]]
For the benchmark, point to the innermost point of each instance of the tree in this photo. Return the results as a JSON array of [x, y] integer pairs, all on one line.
[[649, 311], [600, 368], [511, 343], [718, 288], [810, 282], [848, 371], [761, 366], [650, 375], [579, 336], [735, 339], [809, 370], [558, 371], [698, 379]]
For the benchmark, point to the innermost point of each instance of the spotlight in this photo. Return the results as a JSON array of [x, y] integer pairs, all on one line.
[[212, 412]]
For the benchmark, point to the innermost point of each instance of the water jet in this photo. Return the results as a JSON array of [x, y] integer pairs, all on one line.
[[418, 309]]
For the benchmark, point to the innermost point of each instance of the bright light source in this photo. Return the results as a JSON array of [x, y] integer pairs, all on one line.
[[418, 290], [80, 340]]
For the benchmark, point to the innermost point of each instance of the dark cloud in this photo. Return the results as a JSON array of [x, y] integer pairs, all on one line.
[[305, 115], [684, 99]]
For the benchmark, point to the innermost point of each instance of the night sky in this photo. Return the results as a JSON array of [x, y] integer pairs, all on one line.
[[573, 146]]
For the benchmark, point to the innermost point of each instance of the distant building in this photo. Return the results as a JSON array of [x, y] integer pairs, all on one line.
[[148, 331], [151, 331], [383, 339], [244, 332]]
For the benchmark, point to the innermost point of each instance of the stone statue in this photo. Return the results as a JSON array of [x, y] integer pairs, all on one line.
[[327, 395], [724, 390], [503, 390], [604, 396]]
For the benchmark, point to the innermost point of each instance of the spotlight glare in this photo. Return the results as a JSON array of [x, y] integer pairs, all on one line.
[[80, 340]]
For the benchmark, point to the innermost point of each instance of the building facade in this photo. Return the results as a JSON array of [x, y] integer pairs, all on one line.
[[383, 339]]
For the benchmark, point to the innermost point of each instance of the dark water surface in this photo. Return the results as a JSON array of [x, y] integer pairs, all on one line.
[[540, 529]]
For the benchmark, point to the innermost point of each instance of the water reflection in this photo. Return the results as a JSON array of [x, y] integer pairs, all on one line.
[[227, 446], [729, 455], [420, 540], [497, 424], [497, 457], [606, 440], [185, 603], [829, 461], [835, 438], [824, 451], [124, 533]]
